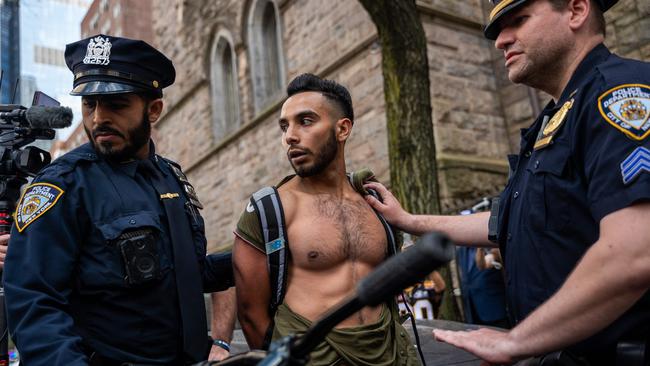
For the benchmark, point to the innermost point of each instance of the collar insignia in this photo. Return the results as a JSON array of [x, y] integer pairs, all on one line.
[[98, 51], [636, 163], [191, 194], [179, 174], [37, 199], [187, 187], [551, 128], [627, 108]]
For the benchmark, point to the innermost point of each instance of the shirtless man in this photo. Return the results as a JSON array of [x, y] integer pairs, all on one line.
[[334, 237]]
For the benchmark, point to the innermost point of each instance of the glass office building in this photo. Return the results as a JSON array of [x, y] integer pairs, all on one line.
[[9, 51], [46, 26]]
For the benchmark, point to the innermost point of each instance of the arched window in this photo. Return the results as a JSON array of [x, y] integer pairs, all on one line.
[[265, 45], [225, 93]]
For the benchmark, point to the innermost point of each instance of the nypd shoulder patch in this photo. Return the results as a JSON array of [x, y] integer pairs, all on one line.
[[36, 200], [636, 163], [627, 108]]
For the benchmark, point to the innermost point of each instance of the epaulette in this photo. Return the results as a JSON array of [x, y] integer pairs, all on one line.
[[169, 161], [184, 182]]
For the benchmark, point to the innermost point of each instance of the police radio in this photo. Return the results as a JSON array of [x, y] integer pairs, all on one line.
[[20, 126]]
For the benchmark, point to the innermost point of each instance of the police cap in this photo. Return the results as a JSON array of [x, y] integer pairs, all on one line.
[[503, 7], [112, 65]]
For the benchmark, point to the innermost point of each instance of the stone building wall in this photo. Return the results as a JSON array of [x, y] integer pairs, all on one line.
[[476, 111], [629, 29], [123, 18]]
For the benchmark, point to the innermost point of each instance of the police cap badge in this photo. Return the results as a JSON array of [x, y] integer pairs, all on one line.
[[104, 64]]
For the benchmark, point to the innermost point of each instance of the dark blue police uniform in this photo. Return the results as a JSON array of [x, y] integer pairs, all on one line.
[[484, 297], [586, 156], [107, 260]]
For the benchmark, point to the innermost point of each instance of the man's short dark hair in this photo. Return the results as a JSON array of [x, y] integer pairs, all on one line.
[[598, 17], [149, 96], [332, 90]]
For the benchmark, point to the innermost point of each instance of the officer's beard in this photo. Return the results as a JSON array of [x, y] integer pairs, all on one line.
[[137, 138], [322, 159]]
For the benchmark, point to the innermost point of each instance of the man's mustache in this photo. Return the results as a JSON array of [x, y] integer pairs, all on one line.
[[297, 149], [105, 130]]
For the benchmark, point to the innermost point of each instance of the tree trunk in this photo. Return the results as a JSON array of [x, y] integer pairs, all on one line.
[[411, 147]]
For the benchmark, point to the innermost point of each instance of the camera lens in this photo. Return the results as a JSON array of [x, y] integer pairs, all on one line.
[[145, 265], [139, 244]]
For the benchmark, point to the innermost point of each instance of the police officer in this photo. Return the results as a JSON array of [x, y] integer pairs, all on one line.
[[106, 262], [573, 220]]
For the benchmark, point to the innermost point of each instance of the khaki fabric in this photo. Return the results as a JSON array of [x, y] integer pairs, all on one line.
[[383, 343]]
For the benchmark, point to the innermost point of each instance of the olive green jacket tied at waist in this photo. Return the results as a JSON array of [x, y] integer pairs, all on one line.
[[383, 343]]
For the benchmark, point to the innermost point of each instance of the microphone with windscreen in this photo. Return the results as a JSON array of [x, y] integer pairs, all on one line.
[[432, 251], [39, 117]]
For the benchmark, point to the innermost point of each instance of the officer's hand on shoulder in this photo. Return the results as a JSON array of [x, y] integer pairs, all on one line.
[[388, 206]]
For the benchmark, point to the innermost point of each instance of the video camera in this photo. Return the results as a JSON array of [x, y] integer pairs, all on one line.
[[20, 126]]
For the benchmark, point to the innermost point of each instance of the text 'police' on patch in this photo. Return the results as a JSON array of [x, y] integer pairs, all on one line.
[[37, 199], [627, 108]]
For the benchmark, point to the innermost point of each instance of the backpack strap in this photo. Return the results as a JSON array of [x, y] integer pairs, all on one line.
[[390, 235], [271, 215]]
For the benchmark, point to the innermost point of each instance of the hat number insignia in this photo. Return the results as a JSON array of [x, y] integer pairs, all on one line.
[[98, 51], [627, 108]]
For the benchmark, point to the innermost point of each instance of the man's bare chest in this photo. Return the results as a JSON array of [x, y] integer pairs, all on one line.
[[325, 232]]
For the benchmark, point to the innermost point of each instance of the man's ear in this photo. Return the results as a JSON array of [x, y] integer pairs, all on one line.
[[343, 129], [154, 110], [580, 10]]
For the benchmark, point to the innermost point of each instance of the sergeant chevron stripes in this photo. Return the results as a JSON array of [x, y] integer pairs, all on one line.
[[637, 162]]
